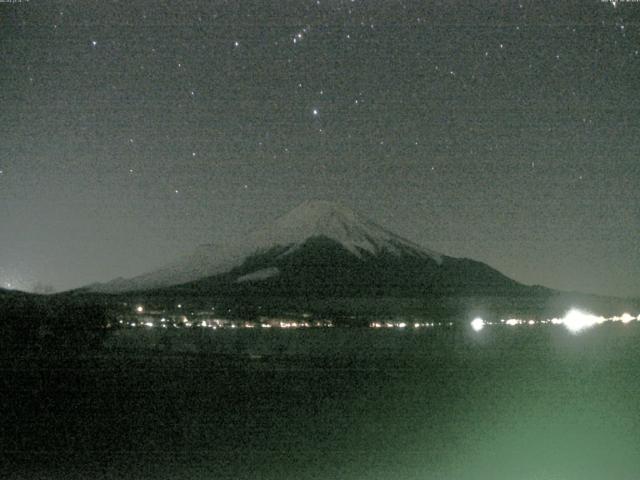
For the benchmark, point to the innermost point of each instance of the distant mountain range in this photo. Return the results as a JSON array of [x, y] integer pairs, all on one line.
[[320, 249]]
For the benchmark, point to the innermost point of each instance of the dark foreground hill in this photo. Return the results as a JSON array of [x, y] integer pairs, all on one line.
[[53, 324]]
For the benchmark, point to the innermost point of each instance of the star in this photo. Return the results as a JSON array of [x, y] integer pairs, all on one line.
[[247, 112]]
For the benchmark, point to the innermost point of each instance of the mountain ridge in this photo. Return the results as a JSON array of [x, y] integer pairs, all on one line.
[[319, 249], [321, 267], [352, 231]]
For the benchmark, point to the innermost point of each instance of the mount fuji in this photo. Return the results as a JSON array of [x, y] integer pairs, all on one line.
[[319, 249]]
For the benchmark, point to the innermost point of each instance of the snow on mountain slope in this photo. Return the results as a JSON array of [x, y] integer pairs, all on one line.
[[204, 261], [327, 219], [311, 219], [258, 275]]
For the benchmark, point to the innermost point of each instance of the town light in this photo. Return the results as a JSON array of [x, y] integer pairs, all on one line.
[[477, 324]]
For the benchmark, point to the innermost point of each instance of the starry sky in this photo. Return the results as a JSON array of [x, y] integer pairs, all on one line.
[[507, 132]]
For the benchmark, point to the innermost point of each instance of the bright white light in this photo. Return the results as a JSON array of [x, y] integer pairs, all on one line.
[[139, 309], [575, 320], [512, 322], [316, 112], [626, 318], [477, 324]]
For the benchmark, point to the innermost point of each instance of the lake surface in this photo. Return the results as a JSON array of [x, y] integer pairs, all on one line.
[[513, 403]]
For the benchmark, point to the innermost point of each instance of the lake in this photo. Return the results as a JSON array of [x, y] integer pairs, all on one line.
[[342, 403]]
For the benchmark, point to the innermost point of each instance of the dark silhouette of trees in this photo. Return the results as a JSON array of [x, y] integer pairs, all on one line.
[[30, 323]]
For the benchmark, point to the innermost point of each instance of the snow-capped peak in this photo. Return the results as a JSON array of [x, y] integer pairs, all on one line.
[[310, 219], [335, 222]]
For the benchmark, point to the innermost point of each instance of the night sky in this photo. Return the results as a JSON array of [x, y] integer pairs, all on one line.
[[507, 132]]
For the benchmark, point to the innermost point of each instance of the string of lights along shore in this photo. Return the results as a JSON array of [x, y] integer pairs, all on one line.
[[575, 320], [505, 132]]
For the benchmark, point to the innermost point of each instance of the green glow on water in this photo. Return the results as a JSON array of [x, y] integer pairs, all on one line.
[[505, 403]]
